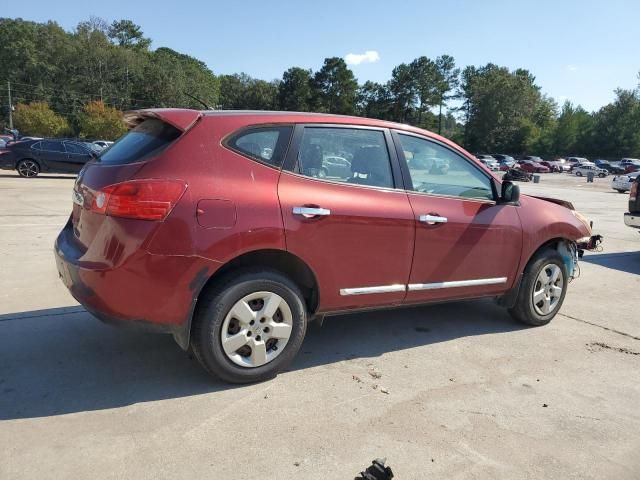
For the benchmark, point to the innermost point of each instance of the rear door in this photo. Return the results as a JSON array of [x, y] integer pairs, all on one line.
[[466, 245], [77, 156], [354, 227]]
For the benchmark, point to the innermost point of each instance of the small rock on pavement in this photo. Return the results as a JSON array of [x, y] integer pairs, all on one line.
[[384, 390]]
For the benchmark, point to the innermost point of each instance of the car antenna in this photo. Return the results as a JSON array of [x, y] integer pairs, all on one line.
[[198, 100]]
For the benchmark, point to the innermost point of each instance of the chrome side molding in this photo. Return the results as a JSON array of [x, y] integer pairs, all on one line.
[[458, 283], [368, 290]]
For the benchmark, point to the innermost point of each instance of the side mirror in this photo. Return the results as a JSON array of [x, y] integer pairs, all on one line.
[[510, 193]]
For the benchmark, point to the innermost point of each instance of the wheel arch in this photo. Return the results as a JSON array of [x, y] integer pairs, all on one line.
[[280, 261]]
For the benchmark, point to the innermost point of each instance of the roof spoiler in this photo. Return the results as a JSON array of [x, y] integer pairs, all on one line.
[[181, 118]]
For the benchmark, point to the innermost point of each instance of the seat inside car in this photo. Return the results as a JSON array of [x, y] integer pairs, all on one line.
[[311, 160], [370, 166]]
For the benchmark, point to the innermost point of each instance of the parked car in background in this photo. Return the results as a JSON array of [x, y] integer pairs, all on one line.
[[335, 166], [622, 183], [561, 164], [3, 143], [632, 217], [630, 165], [505, 162], [235, 256], [584, 169], [533, 167], [552, 166], [608, 166], [573, 161], [30, 157], [490, 162], [102, 143]]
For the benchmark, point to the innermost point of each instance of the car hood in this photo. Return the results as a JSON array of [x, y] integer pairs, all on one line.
[[557, 201]]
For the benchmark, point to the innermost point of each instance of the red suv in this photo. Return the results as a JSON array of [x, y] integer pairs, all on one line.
[[231, 230]]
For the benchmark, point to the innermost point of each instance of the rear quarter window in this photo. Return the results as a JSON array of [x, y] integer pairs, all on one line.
[[146, 140], [264, 144]]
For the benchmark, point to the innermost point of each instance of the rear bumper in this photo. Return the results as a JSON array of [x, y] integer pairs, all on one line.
[[632, 220], [145, 291]]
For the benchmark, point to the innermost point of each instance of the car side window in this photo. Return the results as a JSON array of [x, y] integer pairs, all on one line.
[[265, 144], [75, 148], [438, 170], [52, 147], [36, 146], [348, 155]]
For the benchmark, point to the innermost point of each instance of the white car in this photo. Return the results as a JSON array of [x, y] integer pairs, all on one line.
[[583, 169], [490, 162], [622, 183], [103, 143]]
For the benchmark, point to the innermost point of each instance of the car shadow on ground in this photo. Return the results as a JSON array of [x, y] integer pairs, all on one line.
[[61, 361], [625, 261]]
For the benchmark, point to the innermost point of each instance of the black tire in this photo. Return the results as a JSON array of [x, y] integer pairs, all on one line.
[[28, 168], [578, 174], [523, 309], [602, 175], [619, 190], [216, 304]]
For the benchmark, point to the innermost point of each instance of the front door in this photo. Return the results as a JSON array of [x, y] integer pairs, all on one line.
[[466, 244], [352, 226], [53, 156]]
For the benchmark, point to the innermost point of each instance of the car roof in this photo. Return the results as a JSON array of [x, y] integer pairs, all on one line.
[[184, 118]]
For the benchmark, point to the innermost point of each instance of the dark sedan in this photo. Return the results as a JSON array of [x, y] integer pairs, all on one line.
[[30, 157], [609, 167]]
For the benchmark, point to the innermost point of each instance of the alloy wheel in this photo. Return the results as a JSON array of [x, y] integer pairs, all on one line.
[[28, 168], [548, 288], [256, 329]]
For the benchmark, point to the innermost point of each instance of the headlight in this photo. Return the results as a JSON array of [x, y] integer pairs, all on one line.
[[583, 219]]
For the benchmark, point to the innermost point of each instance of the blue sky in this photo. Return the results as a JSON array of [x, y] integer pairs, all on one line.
[[578, 50]]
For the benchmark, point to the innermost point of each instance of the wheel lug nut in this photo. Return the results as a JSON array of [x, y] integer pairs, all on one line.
[[249, 334], [252, 322], [258, 338], [262, 320]]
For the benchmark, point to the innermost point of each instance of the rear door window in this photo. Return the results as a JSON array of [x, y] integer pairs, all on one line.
[[347, 155], [75, 148], [146, 140]]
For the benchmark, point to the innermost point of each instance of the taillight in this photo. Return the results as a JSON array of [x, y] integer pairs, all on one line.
[[634, 191], [140, 199]]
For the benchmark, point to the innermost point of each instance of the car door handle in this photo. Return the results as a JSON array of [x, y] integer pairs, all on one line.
[[311, 211], [432, 219]]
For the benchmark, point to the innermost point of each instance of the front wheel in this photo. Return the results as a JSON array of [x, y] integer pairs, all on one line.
[[619, 190], [27, 168], [250, 328], [542, 290], [578, 174]]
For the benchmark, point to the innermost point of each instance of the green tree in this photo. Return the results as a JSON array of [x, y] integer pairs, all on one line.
[[374, 101], [447, 80], [294, 91], [99, 121], [403, 89], [37, 119], [421, 83], [129, 35], [616, 127], [335, 88]]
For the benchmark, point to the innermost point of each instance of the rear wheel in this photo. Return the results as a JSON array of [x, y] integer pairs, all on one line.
[[249, 328], [28, 168], [619, 190], [543, 288]]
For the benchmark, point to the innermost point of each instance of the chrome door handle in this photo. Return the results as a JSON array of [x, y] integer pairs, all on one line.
[[311, 211], [432, 219]]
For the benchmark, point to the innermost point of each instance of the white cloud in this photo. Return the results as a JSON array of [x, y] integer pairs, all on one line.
[[572, 68], [370, 56]]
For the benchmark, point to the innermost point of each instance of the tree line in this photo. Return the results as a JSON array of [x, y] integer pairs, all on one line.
[[77, 82]]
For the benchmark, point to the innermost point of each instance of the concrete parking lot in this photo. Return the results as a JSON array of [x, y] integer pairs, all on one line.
[[444, 391]]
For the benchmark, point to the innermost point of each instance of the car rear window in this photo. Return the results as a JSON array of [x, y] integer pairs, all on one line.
[[147, 139]]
